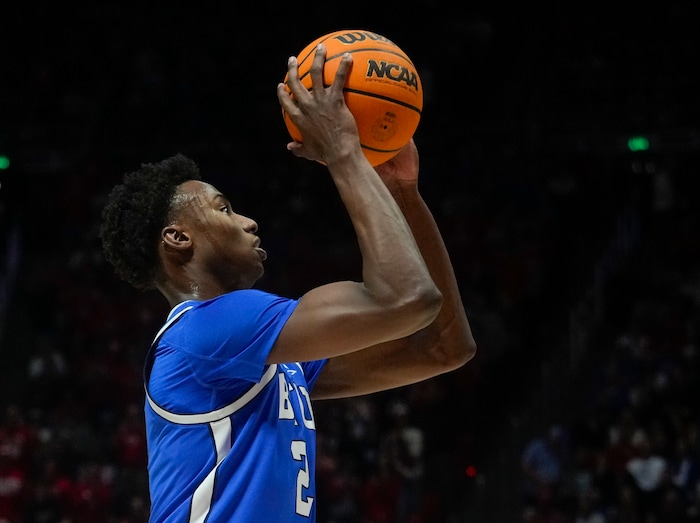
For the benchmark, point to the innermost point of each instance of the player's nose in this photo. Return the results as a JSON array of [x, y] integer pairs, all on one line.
[[248, 224]]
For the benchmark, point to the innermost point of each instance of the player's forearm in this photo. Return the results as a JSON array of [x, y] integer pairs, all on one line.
[[451, 323], [393, 267]]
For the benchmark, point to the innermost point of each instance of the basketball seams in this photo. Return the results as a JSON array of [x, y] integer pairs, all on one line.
[[312, 48], [381, 151], [382, 97], [352, 51], [370, 50], [374, 95]]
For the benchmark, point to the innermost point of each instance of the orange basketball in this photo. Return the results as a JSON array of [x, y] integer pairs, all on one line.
[[383, 90]]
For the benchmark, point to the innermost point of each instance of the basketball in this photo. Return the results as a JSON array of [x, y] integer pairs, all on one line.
[[383, 90]]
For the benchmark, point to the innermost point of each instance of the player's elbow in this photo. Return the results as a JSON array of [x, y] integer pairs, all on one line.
[[414, 310], [456, 350], [427, 305], [465, 352]]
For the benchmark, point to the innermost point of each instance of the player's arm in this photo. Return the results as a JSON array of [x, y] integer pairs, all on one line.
[[397, 295], [444, 345]]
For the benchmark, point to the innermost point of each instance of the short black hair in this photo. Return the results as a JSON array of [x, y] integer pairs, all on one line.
[[136, 211]]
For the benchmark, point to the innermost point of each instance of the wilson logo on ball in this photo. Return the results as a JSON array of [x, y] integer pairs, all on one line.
[[360, 36]]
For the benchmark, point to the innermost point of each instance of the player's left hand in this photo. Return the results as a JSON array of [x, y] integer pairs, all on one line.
[[402, 168]]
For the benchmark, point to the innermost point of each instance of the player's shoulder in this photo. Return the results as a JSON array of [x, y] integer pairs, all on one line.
[[243, 296], [246, 302]]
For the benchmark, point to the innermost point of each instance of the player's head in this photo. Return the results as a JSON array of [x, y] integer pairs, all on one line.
[[136, 212]]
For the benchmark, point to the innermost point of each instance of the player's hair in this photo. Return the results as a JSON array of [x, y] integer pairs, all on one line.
[[135, 213]]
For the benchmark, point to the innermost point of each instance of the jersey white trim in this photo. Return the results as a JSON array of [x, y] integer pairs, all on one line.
[[214, 415], [170, 322], [203, 494]]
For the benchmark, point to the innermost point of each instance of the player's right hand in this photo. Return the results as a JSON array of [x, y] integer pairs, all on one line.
[[328, 128]]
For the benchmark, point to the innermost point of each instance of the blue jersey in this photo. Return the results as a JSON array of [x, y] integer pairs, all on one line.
[[230, 438]]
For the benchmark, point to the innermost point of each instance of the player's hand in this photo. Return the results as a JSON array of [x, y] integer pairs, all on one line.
[[402, 168], [327, 126]]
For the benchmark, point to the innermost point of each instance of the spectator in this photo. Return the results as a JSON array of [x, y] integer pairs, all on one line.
[[543, 462], [13, 490], [684, 467], [52, 492], [92, 493], [379, 493], [648, 470], [404, 445]]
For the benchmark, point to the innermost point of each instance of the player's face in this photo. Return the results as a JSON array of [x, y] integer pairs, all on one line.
[[224, 243]]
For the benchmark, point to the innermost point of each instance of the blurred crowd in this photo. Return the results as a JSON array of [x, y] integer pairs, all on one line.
[[627, 448], [527, 200]]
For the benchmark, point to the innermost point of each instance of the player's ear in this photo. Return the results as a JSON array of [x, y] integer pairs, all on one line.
[[175, 237]]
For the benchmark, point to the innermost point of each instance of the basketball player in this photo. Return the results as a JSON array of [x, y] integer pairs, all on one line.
[[231, 374]]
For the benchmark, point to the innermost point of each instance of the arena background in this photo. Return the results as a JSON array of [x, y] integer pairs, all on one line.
[[576, 255]]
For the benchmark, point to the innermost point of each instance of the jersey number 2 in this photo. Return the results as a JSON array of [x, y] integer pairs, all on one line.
[[303, 502]]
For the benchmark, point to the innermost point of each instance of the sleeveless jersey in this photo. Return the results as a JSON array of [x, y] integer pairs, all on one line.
[[230, 439]]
